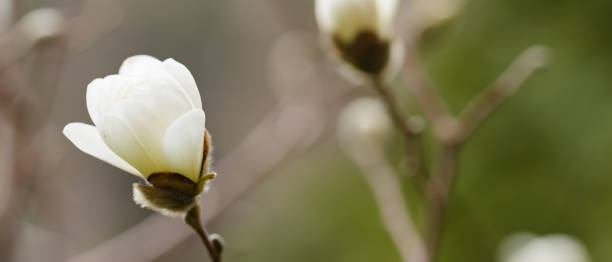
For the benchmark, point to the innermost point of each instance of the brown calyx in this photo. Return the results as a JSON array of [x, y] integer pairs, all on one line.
[[367, 52]]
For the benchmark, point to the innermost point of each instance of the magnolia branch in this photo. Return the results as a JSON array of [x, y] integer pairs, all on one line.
[[387, 191], [528, 62], [410, 134], [451, 132], [430, 102]]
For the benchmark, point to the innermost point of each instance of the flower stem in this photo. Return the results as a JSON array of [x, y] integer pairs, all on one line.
[[193, 220], [411, 139]]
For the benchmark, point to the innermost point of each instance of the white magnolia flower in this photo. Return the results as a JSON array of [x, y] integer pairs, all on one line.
[[524, 247], [147, 119], [362, 33]]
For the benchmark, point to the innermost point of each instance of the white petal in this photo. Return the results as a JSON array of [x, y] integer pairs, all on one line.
[[386, 10], [141, 65], [324, 15], [167, 104], [184, 77], [347, 18], [157, 71], [135, 133], [104, 92], [87, 139], [184, 144]]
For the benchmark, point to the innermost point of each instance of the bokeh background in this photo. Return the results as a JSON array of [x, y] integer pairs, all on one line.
[[540, 164]]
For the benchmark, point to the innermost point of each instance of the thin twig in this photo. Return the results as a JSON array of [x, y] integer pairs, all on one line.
[[410, 135], [431, 103], [528, 62], [438, 192], [193, 220]]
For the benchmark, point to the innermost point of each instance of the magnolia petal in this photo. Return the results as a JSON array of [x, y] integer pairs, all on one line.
[[185, 79], [166, 104], [386, 10], [104, 92], [152, 68], [347, 18], [87, 139], [184, 144], [324, 16], [134, 133], [143, 65]]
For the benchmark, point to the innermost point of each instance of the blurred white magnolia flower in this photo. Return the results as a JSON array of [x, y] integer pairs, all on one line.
[[524, 247], [42, 23], [362, 32], [148, 121], [346, 19]]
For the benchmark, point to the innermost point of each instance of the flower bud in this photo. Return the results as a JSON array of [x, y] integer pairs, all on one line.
[[218, 242], [362, 122], [524, 247], [42, 23], [361, 32]]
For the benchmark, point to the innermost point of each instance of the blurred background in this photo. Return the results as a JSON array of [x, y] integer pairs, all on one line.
[[540, 164]]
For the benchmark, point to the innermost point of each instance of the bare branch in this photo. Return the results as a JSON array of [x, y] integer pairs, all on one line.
[[410, 134], [529, 61], [431, 103], [451, 132], [438, 192], [390, 200]]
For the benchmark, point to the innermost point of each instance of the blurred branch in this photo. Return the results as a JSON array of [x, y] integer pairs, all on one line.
[[385, 186], [529, 61], [410, 134], [431, 103], [438, 191], [451, 132], [94, 21]]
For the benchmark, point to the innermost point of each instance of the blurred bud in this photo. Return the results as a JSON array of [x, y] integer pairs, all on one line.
[[363, 121], [361, 32], [218, 242], [524, 247], [42, 23]]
